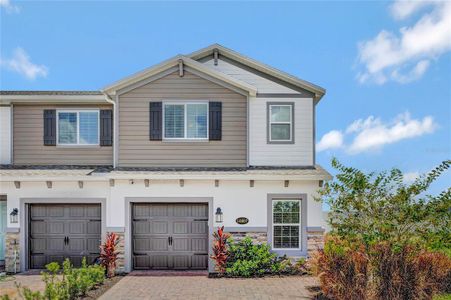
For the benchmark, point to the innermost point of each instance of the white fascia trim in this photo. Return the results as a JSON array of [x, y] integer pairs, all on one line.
[[317, 90], [94, 99], [111, 89]]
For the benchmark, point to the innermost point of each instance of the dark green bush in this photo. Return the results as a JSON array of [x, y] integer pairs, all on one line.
[[248, 259]]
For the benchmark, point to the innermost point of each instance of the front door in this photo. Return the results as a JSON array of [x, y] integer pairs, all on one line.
[[170, 236], [60, 231]]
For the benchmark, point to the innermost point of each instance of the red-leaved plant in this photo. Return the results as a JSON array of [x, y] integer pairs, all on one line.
[[108, 254], [220, 249]]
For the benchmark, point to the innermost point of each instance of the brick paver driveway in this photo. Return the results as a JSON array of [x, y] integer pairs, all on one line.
[[185, 287]]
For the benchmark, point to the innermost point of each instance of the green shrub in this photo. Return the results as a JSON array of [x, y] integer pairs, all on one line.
[[74, 282], [247, 259]]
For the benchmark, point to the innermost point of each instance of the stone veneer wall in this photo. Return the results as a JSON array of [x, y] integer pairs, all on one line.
[[315, 241], [12, 249], [257, 237], [120, 248]]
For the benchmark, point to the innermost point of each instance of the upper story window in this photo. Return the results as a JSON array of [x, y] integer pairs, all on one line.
[[185, 120], [78, 127], [280, 123]]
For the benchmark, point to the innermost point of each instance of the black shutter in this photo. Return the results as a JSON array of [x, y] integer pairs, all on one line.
[[49, 127], [155, 121], [106, 127], [215, 121]]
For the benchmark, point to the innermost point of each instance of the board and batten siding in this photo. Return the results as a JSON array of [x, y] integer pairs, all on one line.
[[29, 146], [135, 148], [300, 153], [263, 85], [5, 135]]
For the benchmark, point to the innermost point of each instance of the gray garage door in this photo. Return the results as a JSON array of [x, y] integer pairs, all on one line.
[[60, 231], [170, 236]]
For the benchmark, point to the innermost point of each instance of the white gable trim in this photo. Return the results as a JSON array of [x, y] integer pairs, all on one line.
[[317, 90], [141, 77]]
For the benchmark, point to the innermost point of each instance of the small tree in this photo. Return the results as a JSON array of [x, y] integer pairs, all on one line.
[[378, 207], [108, 253]]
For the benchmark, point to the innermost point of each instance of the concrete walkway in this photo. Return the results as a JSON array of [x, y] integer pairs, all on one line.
[[7, 286], [188, 287]]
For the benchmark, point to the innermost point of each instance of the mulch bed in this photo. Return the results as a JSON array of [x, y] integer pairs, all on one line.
[[100, 290]]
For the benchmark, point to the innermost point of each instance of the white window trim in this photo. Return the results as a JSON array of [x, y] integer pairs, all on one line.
[[289, 123], [286, 224], [77, 111], [185, 127]]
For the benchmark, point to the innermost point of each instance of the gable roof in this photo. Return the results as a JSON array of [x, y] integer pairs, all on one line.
[[315, 89], [174, 62]]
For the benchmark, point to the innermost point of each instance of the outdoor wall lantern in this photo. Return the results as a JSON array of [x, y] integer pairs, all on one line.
[[14, 215], [218, 215]]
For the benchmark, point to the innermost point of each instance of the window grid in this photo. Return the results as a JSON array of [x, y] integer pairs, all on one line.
[[77, 128], [286, 227], [271, 122], [185, 121]]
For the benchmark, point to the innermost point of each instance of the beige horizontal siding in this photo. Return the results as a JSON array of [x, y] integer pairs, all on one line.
[[135, 148], [29, 146]]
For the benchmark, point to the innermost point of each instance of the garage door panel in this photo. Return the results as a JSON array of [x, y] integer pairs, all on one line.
[[199, 227], [170, 235], [199, 211], [93, 245], [181, 227], [141, 244], [181, 244], [77, 227], [55, 244], [159, 227], [38, 245], [141, 262], [159, 244], [199, 245], [77, 244], [181, 262], [93, 212], [199, 262], [159, 210], [38, 227], [141, 227], [94, 227], [55, 211], [160, 261], [76, 212], [38, 211], [58, 231], [38, 261]]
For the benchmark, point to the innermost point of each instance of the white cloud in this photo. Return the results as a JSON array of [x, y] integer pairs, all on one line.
[[9, 8], [410, 177], [21, 64], [373, 134], [405, 56], [331, 140]]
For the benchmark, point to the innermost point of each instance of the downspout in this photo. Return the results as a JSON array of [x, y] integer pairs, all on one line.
[[109, 100]]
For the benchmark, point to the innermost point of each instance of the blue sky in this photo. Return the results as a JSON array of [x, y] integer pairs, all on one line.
[[387, 64]]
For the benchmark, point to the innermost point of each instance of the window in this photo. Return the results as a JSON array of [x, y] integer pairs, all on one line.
[[286, 224], [185, 120], [280, 123], [78, 127]]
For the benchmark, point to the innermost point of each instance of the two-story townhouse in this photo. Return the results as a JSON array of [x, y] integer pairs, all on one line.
[[162, 158]]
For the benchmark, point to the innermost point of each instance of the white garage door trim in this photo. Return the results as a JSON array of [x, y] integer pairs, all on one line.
[[24, 203], [128, 225]]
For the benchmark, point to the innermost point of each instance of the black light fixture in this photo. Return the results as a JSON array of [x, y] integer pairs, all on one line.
[[218, 215], [14, 216]]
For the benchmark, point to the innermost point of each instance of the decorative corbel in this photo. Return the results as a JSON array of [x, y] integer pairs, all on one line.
[[181, 67]]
